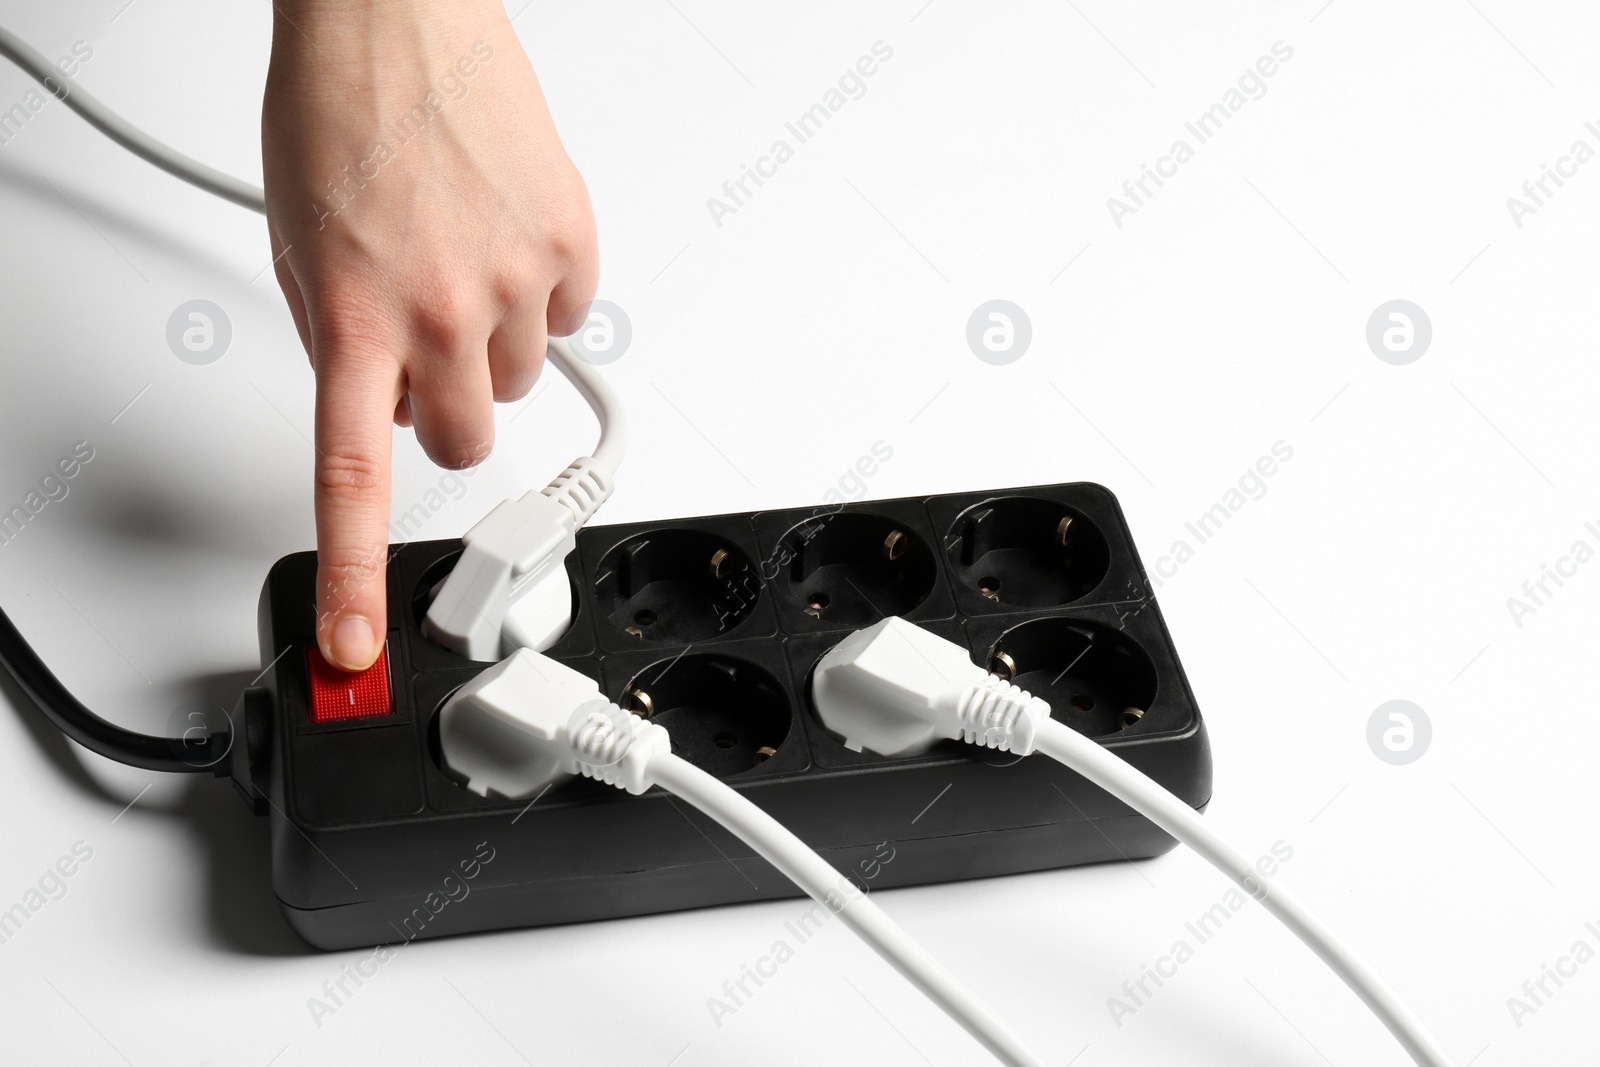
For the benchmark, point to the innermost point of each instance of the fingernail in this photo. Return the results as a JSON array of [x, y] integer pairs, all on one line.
[[353, 644]]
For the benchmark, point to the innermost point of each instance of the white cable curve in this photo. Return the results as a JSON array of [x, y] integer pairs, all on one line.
[[1134, 788], [125, 134], [607, 406], [828, 887]]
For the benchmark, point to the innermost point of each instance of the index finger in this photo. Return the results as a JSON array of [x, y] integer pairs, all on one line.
[[356, 398]]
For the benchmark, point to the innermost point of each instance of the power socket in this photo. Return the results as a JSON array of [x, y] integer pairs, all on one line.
[[711, 626]]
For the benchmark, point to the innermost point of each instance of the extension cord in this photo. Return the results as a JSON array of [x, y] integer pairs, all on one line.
[[675, 620]]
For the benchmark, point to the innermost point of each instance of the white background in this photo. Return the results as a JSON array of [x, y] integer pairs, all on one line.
[[769, 353]]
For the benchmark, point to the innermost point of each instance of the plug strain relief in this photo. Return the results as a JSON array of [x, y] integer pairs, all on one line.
[[614, 746], [601, 736], [581, 489], [997, 714]]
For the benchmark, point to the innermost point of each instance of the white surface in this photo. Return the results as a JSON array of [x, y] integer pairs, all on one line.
[[778, 348], [1177, 818]]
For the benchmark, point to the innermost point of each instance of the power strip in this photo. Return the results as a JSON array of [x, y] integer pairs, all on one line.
[[712, 626]]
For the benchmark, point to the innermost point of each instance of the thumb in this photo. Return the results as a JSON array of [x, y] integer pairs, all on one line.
[[356, 398]]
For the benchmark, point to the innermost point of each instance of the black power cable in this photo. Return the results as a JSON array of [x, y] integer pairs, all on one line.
[[179, 754]]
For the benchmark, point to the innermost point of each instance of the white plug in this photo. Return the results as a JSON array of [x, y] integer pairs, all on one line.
[[529, 722], [510, 590], [895, 689]]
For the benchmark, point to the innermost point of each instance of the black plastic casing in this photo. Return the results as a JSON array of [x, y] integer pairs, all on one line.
[[373, 842]]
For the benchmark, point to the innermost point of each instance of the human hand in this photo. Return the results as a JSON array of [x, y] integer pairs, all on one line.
[[428, 230]]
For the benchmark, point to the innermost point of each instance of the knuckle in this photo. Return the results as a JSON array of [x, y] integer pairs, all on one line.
[[442, 312], [349, 324], [569, 235], [569, 310], [562, 243], [566, 227], [522, 283], [347, 303], [348, 474]]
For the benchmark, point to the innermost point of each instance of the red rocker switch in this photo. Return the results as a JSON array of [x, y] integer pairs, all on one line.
[[339, 695]]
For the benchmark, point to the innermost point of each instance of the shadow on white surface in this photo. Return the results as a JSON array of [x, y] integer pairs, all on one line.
[[73, 197], [243, 915]]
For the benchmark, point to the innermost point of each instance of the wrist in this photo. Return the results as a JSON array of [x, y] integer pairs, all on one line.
[[371, 10], [353, 54], [332, 30]]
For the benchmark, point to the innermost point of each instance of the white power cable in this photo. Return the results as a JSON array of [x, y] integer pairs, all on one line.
[[1144, 795], [832, 890], [529, 721], [128, 136], [895, 689], [509, 590], [601, 398]]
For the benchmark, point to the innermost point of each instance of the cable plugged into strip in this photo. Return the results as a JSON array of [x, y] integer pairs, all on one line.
[[896, 689], [529, 722], [509, 590]]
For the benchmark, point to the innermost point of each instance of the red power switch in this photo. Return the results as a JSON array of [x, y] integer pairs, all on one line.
[[339, 695]]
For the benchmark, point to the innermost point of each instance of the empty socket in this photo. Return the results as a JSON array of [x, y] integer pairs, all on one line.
[[1096, 679], [1027, 552], [676, 586], [726, 715], [853, 568]]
